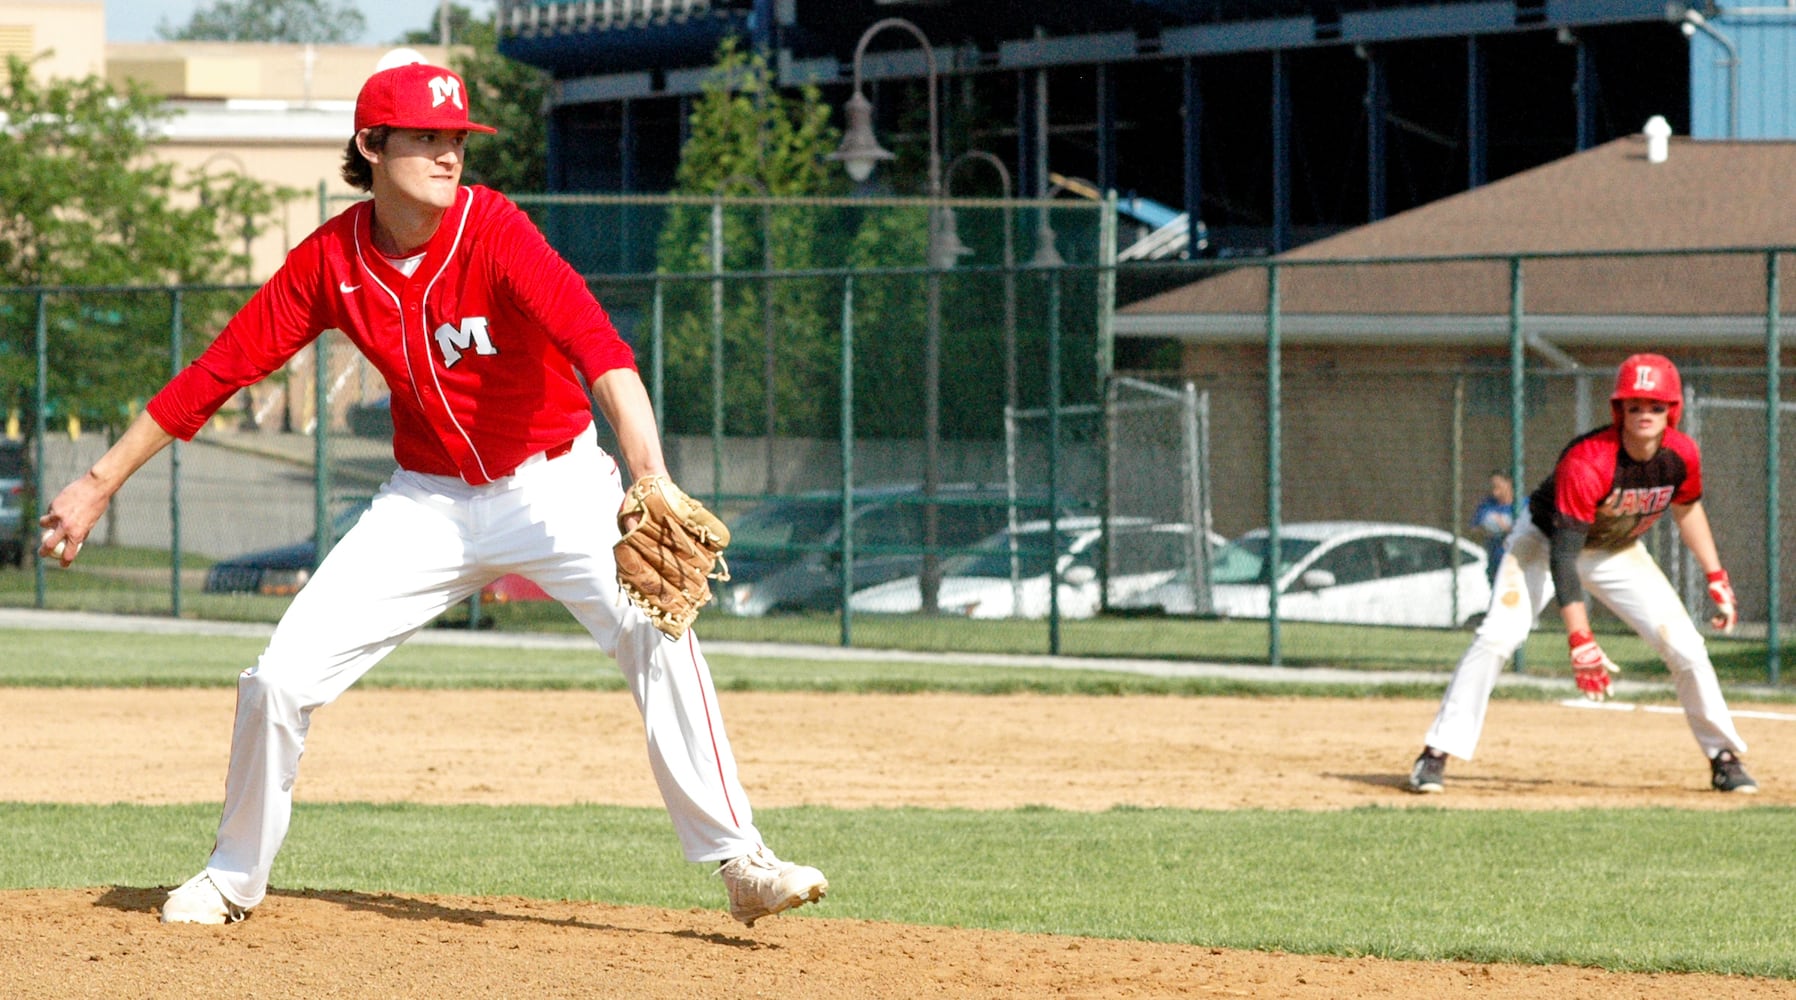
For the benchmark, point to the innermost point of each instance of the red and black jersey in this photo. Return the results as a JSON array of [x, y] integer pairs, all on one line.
[[1600, 497], [480, 344], [1597, 489]]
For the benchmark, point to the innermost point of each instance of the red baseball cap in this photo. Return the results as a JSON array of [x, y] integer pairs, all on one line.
[[416, 95]]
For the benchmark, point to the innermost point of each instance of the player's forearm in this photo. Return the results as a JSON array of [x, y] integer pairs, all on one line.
[[140, 443], [71, 515], [625, 403], [1693, 528], [1576, 615]]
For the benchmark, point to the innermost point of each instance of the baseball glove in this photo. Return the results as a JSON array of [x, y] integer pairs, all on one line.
[[665, 561]]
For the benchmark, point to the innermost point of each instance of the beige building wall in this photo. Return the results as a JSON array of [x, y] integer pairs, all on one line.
[[241, 70], [70, 34]]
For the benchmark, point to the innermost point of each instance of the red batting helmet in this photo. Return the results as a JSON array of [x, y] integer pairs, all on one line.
[[1649, 376]]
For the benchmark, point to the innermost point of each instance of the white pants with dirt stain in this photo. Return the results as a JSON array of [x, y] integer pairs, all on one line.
[[426, 543], [1628, 583]]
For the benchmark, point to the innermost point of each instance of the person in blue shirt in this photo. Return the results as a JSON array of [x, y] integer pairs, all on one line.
[[1493, 519]]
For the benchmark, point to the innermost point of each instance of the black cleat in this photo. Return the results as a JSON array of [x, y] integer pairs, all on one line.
[[1429, 775], [1727, 774]]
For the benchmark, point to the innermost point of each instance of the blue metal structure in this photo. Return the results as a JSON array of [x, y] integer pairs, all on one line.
[[1271, 122], [1741, 61]]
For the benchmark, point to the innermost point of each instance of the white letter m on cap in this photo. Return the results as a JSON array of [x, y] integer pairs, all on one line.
[[445, 88]]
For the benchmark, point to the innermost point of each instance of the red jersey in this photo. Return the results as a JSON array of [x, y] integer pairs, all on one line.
[[480, 345], [1596, 488]]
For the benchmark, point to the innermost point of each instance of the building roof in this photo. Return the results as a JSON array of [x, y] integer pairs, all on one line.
[[329, 123], [1705, 196]]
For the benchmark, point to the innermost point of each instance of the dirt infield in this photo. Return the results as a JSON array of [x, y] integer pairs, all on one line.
[[153, 746]]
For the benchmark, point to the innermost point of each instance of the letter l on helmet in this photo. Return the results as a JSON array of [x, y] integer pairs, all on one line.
[[1649, 376]]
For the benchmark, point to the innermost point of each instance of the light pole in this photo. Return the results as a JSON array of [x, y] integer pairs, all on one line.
[[769, 367], [1691, 22], [952, 247], [859, 153]]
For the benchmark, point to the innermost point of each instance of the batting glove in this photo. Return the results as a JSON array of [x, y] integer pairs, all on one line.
[[1590, 667], [1722, 593]]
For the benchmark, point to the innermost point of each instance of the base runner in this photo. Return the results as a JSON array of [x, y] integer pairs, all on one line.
[[483, 333], [1581, 532]]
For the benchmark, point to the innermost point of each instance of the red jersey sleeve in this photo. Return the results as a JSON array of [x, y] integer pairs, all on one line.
[[278, 320], [546, 287], [1582, 481]]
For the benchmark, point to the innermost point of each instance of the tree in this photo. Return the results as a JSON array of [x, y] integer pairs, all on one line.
[[320, 21], [505, 94], [747, 137], [82, 203]]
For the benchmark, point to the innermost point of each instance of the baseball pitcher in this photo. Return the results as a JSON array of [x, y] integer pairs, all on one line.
[[484, 335], [1581, 532]]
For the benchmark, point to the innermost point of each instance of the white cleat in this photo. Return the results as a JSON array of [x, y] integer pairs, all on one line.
[[198, 901], [761, 885]]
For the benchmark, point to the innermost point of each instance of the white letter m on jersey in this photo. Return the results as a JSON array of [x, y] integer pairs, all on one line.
[[472, 333], [445, 88]]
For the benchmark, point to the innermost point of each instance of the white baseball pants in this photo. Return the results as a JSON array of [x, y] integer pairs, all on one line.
[[1630, 584], [426, 543]]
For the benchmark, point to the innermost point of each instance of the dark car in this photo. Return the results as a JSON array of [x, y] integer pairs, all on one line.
[[14, 482], [785, 555], [278, 571]]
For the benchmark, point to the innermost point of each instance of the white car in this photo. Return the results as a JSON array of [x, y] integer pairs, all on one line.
[[1352, 572], [981, 584]]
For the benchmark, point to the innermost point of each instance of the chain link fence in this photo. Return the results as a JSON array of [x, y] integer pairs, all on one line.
[[795, 349]]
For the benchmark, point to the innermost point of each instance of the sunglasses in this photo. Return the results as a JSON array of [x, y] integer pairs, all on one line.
[[1646, 407]]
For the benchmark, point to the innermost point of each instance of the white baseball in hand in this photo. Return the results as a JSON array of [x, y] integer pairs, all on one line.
[[62, 546]]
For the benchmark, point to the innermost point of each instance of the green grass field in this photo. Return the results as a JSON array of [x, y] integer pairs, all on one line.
[[1646, 890], [1639, 890]]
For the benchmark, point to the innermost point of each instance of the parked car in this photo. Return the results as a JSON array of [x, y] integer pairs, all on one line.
[[278, 571], [981, 584], [1352, 572], [14, 482], [785, 555]]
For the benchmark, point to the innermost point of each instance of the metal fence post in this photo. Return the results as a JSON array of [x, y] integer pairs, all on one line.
[[1106, 332], [1456, 515], [769, 363], [1773, 535], [845, 423], [43, 422], [716, 353], [1105, 364], [1274, 485], [1053, 462], [658, 354], [174, 462], [1517, 399], [321, 488]]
